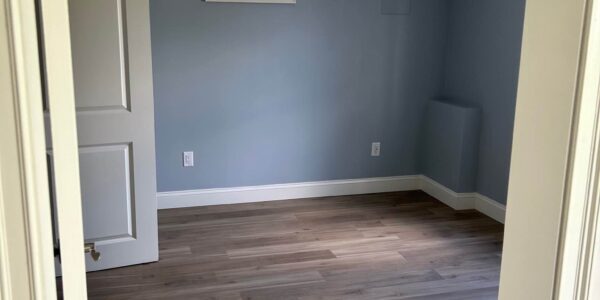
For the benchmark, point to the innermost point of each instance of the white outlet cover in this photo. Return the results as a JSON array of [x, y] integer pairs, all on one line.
[[376, 149], [188, 159]]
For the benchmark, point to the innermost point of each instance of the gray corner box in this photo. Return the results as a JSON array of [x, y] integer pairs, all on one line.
[[395, 7], [450, 144]]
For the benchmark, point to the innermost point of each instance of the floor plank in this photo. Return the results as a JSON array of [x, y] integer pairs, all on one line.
[[403, 245]]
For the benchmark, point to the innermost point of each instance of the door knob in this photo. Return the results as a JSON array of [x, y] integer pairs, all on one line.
[[91, 249]]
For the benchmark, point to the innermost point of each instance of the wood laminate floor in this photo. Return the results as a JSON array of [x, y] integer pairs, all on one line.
[[403, 245]]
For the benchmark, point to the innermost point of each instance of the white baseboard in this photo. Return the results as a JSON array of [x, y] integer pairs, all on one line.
[[458, 201], [286, 191], [463, 201], [490, 208]]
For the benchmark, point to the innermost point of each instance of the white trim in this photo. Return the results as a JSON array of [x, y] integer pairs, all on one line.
[[5, 272], [547, 89], [207, 197], [26, 250], [63, 128], [490, 208], [464, 201], [458, 201], [286, 191], [581, 208]]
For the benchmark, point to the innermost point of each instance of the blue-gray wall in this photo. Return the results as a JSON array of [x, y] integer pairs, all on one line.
[[482, 67], [269, 94]]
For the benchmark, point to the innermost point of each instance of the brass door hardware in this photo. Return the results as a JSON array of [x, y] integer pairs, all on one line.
[[91, 249]]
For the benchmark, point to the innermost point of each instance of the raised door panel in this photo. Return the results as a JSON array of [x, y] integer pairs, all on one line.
[[98, 34], [107, 195]]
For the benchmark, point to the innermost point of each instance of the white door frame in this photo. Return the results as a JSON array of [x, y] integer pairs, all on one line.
[[60, 95], [26, 246], [553, 202], [578, 238]]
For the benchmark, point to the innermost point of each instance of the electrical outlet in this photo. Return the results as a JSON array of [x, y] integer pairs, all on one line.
[[376, 149], [188, 159]]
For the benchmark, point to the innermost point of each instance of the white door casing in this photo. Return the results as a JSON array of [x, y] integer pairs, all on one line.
[[60, 100], [546, 100], [577, 265], [26, 250], [112, 70]]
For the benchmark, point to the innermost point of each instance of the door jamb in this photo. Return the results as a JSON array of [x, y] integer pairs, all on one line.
[[580, 226], [27, 252], [60, 93], [26, 247]]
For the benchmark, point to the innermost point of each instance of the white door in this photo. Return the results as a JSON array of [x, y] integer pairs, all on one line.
[[112, 71]]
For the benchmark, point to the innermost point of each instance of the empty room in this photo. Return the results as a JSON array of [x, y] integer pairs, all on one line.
[[299, 149]]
